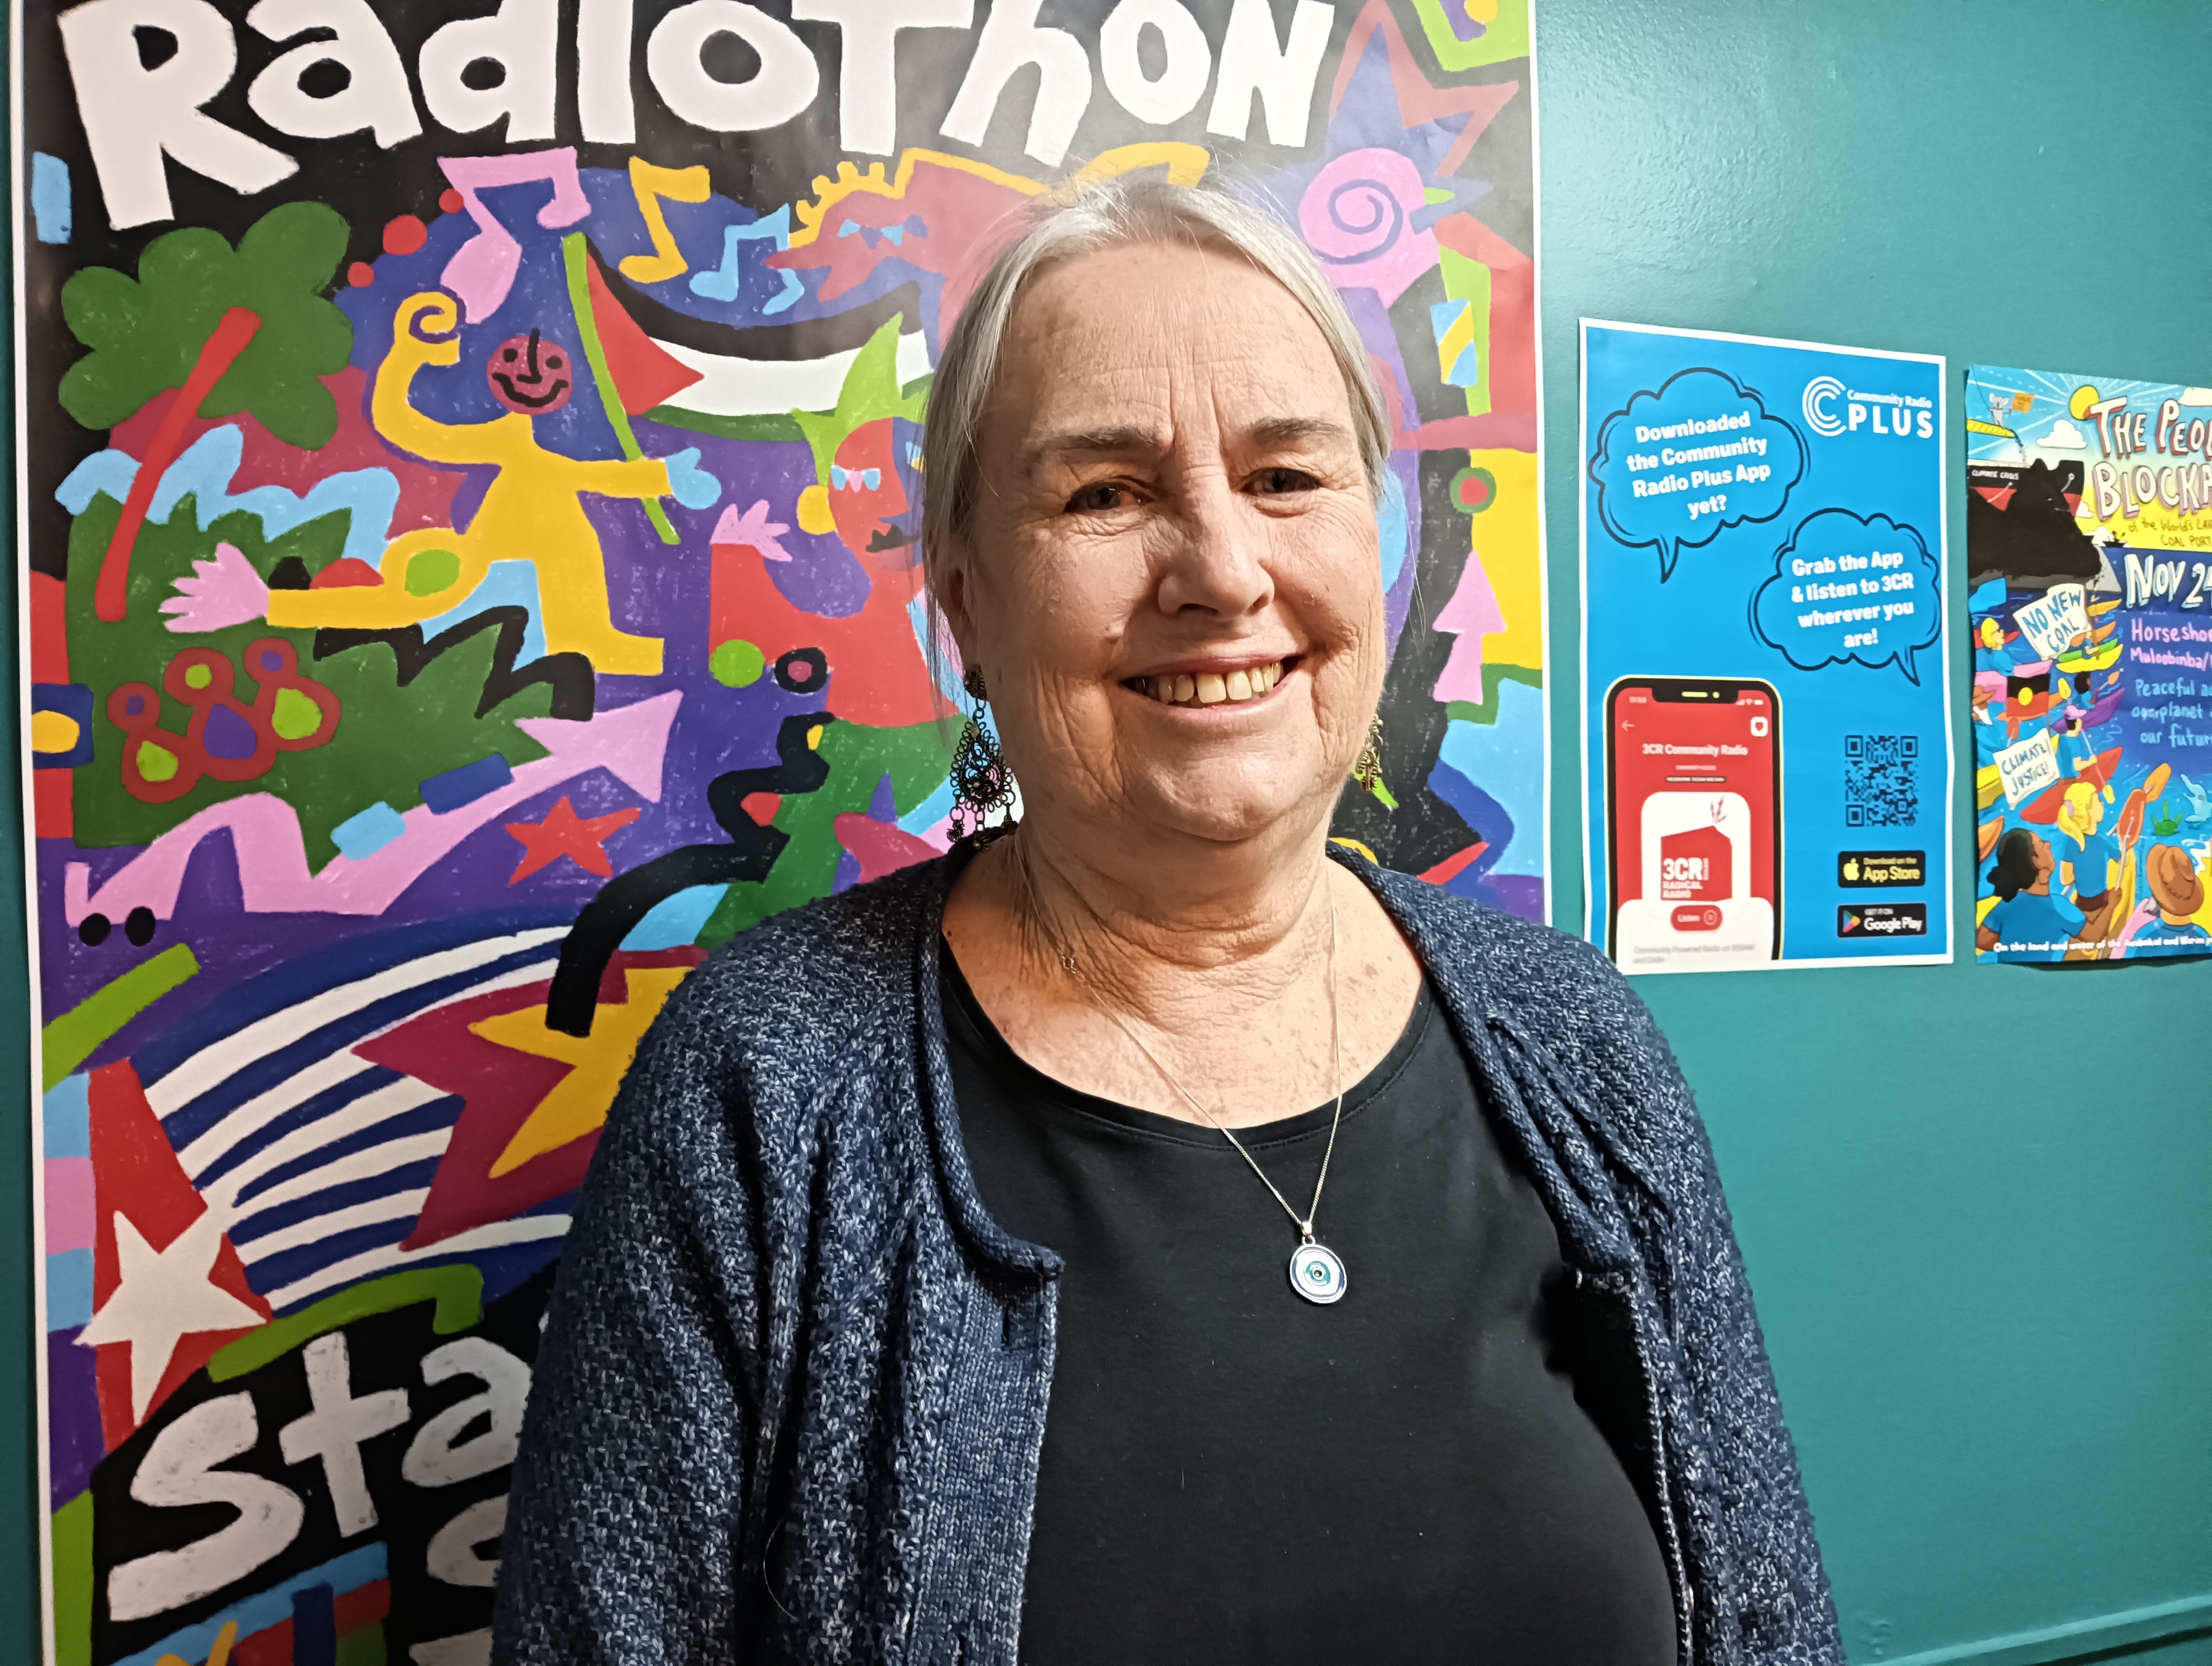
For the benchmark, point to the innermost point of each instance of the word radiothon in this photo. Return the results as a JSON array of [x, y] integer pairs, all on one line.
[[134, 115]]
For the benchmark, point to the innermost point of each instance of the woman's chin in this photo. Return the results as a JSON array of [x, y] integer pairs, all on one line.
[[1225, 806]]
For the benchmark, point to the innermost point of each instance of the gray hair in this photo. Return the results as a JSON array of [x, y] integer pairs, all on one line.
[[1116, 213]]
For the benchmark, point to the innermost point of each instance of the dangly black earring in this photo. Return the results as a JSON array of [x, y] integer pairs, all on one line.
[[981, 780]]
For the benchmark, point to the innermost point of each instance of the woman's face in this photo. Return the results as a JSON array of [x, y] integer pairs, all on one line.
[[2045, 863], [1171, 503]]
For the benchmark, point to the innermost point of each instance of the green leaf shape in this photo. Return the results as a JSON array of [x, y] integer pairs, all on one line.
[[146, 333], [389, 738], [870, 391]]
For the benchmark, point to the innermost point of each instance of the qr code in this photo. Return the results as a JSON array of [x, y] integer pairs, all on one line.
[[1881, 779]]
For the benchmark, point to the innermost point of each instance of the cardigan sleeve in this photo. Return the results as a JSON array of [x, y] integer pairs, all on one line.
[[1745, 1478], [623, 1539]]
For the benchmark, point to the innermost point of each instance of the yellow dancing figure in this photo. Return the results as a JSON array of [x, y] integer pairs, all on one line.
[[530, 512]]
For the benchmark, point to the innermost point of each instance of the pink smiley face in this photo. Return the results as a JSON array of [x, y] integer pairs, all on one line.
[[529, 375]]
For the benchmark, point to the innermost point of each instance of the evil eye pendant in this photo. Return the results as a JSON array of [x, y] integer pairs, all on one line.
[[1316, 1274]]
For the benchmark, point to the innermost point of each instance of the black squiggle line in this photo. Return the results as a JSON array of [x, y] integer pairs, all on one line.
[[611, 916], [568, 674]]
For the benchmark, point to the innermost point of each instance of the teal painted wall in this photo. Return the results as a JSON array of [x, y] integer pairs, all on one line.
[[1988, 1291], [1987, 1287]]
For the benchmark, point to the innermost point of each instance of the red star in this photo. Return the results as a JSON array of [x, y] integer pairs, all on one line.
[[565, 833]]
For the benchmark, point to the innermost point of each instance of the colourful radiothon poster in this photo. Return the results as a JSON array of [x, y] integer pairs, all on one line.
[[2089, 551], [468, 560], [1767, 762]]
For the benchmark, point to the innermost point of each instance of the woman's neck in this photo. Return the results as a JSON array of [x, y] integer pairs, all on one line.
[[1237, 969], [1142, 916]]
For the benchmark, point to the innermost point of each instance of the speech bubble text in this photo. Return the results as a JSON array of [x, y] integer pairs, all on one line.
[[1676, 467], [1851, 587]]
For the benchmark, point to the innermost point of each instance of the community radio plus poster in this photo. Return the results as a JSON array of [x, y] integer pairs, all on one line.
[[1766, 759], [2089, 541], [468, 554]]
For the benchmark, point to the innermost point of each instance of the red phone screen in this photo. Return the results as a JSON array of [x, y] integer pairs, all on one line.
[[1693, 821]]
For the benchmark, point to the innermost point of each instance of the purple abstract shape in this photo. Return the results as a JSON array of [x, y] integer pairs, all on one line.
[[227, 735], [1485, 817], [1368, 118], [74, 1443], [882, 803], [1463, 27], [1521, 894]]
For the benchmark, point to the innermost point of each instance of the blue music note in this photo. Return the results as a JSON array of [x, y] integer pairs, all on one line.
[[721, 283]]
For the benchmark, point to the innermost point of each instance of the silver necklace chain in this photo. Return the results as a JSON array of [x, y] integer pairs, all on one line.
[[1304, 1223]]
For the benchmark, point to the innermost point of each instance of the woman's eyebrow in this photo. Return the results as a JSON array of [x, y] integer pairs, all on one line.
[[1132, 440], [1296, 431], [1116, 439]]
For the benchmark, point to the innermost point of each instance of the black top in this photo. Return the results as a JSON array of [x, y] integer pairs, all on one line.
[[1233, 1475]]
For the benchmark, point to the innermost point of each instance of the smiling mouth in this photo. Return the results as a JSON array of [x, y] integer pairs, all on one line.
[[535, 402], [1213, 688]]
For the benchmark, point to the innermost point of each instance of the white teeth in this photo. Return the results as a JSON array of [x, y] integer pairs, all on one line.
[[1211, 688]]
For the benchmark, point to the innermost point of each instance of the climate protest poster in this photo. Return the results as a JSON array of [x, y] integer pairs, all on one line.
[[468, 497], [2089, 555], [1767, 762]]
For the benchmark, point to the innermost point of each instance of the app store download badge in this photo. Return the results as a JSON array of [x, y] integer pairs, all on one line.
[[1858, 868], [1882, 920]]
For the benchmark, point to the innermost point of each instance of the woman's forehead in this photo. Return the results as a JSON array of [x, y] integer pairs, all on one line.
[[1173, 286], [1144, 324]]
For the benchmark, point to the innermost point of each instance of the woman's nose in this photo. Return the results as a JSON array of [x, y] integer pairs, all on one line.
[[1213, 558]]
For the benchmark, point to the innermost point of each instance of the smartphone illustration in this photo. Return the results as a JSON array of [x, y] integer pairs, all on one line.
[[1693, 823]]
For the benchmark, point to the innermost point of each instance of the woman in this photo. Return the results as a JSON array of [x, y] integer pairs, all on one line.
[[1156, 1236], [2093, 868], [2029, 921]]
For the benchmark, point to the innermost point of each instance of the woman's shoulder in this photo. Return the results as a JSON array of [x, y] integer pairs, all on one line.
[[1547, 986], [801, 990], [1506, 961]]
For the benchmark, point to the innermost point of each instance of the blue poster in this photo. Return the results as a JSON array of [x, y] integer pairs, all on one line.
[[1767, 751]]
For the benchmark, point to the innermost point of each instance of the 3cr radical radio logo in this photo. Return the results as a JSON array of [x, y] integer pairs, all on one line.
[[1818, 394]]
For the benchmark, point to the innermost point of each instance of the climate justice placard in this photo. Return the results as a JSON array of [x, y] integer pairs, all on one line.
[[1767, 749]]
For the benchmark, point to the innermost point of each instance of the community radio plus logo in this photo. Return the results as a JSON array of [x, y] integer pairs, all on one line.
[[1905, 416], [1818, 394]]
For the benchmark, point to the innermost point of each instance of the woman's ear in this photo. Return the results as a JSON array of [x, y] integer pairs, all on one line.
[[950, 581]]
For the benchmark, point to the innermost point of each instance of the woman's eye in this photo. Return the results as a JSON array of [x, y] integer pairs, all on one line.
[[1098, 498], [1274, 482]]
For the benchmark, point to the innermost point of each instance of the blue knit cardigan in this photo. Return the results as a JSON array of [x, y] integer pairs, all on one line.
[[792, 1391]]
